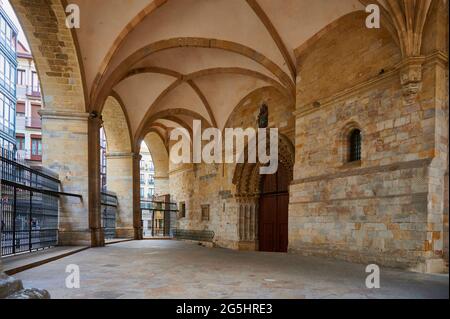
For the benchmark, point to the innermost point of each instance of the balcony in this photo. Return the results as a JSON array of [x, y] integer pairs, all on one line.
[[33, 91], [23, 155], [30, 91], [26, 155], [33, 122]]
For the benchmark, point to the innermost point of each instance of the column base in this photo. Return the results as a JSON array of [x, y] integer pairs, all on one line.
[[248, 245], [74, 238], [432, 266], [138, 233], [97, 237], [124, 232]]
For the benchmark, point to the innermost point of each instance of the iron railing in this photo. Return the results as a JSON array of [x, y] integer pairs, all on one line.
[[109, 211], [34, 91], [158, 218], [29, 207]]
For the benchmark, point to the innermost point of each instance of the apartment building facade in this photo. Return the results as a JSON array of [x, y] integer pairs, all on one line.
[[147, 174], [29, 102]]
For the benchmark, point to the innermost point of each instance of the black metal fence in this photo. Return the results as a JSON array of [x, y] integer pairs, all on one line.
[[109, 212], [29, 207], [158, 218]]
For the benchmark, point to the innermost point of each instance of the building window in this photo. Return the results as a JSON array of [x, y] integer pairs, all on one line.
[[103, 168], [20, 143], [355, 145], [205, 212], [182, 210], [36, 147], [142, 192], [7, 74], [35, 86], [20, 108], [7, 115], [21, 77]]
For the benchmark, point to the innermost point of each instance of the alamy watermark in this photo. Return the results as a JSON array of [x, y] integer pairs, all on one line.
[[73, 16], [236, 146], [373, 20], [73, 279], [373, 279]]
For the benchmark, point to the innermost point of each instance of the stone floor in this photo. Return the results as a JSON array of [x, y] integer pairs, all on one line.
[[171, 269]]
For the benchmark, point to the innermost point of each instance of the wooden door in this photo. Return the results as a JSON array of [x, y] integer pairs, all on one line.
[[273, 212]]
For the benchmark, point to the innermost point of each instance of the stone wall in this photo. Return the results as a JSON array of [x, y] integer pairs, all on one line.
[[373, 210], [388, 207], [202, 185], [162, 185], [68, 132]]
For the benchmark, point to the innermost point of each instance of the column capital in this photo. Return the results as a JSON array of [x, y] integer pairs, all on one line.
[[114, 155], [63, 115], [95, 119], [161, 177]]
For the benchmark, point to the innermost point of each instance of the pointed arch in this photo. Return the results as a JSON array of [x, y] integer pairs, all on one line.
[[55, 53], [116, 126]]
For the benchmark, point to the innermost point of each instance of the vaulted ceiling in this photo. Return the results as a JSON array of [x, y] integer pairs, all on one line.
[[198, 58]]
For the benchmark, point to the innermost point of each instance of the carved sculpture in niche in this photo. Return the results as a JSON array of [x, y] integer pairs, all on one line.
[[263, 117]]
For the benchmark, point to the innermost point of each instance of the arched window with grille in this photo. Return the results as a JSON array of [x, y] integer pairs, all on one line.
[[355, 145]]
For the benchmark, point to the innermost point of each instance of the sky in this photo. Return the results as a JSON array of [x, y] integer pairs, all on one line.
[[10, 12]]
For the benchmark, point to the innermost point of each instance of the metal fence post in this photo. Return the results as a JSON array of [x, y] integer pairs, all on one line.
[[30, 243], [14, 221]]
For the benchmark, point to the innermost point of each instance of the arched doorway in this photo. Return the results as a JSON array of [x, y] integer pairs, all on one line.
[[263, 202], [273, 211]]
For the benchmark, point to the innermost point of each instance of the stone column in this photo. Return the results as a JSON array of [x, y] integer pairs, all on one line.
[[247, 223], [137, 219], [120, 180], [95, 216], [65, 151]]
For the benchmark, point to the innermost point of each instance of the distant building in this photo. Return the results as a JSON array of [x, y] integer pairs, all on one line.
[[29, 102], [8, 67], [103, 147], [147, 174]]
